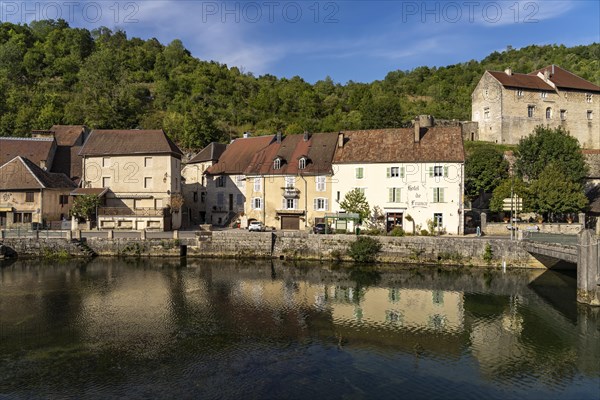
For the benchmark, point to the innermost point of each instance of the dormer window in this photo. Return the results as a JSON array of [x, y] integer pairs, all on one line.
[[302, 163], [277, 163]]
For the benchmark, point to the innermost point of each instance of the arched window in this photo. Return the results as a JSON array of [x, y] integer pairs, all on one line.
[[302, 163], [548, 113], [277, 163]]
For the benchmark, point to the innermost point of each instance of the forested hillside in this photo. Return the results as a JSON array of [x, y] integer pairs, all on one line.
[[53, 74]]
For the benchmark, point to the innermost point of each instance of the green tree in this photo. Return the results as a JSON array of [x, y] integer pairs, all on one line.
[[550, 145], [485, 169], [356, 202], [503, 190], [84, 206], [554, 192]]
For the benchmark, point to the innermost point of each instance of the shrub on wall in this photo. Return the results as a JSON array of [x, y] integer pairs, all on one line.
[[364, 249]]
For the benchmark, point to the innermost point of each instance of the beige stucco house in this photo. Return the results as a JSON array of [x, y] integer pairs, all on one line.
[[30, 195], [142, 171], [508, 106], [410, 171], [288, 183]]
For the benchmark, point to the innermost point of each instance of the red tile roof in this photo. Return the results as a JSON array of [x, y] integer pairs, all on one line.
[[35, 149], [124, 142], [318, 149], [521, 81], [238, 155], [437, 144], [565, 79], [21, 173]]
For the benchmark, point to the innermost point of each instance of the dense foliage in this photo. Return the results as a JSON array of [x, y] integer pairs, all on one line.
[[364, 249], [53, 74], [356, 202], [485, 168], [84, 206]]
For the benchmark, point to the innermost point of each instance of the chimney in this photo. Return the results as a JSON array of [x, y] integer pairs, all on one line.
[[247, 135], [508, 71], [341, 140], [278, 137], [306, 136], [417, 130], [552, 70]]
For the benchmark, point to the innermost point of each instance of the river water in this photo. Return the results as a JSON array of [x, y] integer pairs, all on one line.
[[206, 329]]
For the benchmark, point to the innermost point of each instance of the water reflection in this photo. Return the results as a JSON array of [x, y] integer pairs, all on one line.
[[255, 330]]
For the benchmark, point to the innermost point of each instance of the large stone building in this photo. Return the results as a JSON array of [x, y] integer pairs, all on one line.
[[142, 171], [508, 106], [413, 171]]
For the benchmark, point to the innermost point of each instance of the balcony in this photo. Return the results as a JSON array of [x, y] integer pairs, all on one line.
[[137, 212], [291, 193]]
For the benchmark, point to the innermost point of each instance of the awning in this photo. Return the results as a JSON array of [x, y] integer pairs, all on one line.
[[95, 191]]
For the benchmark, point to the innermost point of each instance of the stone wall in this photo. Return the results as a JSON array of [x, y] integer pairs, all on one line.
[[502, 229]]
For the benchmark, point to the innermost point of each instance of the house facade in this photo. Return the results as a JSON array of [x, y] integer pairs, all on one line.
[[288, 183], [407, 174], [29, 195], [226, 181], [194, 184], [142, 171], [508, 106]]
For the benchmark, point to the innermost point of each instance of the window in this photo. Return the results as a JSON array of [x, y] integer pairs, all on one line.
[[147, 183], [290, 182], [530, 111], [588, 97], [395, 172], [590, 115], [220, 181], [202, 197], [106, 181], [438, 220], [394, 195], [549, 113], [321, 204], [302, 163], [22, 217], [240, 181], [543, 95], [290, 204], [147, 162], [520, 93], [277, 163], [257, 203], [563, 115], [438, 195], [321, 185], [220, 198], [360, 173], [195, 197], [337, 196], [27, 218], [486, 113], [257, 185], [63, 199], [360, 189], [438, 171], [28, 197], [106, 161]]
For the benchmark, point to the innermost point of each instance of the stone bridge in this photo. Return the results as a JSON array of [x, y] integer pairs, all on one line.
[[582, 249]]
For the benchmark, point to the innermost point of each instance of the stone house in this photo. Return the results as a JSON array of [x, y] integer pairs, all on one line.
[[226, 184], [508, 106], [289, 181], [40, 151], [142, 171], [194, 184], [409, 171], [29, 194], [69, 139]]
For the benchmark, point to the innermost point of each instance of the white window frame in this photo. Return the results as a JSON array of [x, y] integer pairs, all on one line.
[[360, 172], [590, 115], [321, 183], [530, 111], [286, 204], [548, 112], [240, 181], [321, 204], [589, 97], [258, 185], [290, 182], [394, 195], [257, 203], [543, 95], [302, 163], [277, 163], [520, 93], [438, 195]]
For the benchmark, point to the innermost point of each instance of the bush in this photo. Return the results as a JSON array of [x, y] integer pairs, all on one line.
[[371, 232], [424, 232], [364, 249], [488, 253], [397, 231]]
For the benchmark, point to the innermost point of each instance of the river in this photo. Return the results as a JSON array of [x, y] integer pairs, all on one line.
[[206, 329]]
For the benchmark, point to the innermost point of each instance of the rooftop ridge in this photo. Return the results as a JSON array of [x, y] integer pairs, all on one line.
[[26, 138]]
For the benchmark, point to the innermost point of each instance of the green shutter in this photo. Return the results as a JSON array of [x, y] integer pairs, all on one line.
[[397, 197], [402, 172], [441, 195], [445, 172], [389, 172], [390, 195], [431, 172]]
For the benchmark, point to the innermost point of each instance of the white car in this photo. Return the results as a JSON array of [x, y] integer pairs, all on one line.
[[256, 226]]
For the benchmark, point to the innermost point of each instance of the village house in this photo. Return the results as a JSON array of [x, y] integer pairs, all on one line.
[[31, 196], [40, 151], [416, 172], [289, 181], [194, 185], [226, 180], [142, 171], [508, 106]]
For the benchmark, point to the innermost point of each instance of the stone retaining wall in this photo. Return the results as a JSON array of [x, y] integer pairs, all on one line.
[[495, 229]]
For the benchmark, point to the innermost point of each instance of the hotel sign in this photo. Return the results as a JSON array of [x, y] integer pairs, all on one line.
[[417, 195]]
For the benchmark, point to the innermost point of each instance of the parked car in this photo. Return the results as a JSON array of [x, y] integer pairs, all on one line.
[[256, 226], [321, 228]]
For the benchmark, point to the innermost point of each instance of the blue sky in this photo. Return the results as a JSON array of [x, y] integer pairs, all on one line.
[[347, 40]]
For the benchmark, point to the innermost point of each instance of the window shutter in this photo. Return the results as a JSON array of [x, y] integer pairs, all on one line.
[[431, 172], [295, 204], [283, 204], [316, 204], [390, 195], [326, 204], [445, 172], [441, 195], [389, 172], [402, 172], [397, 195]]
